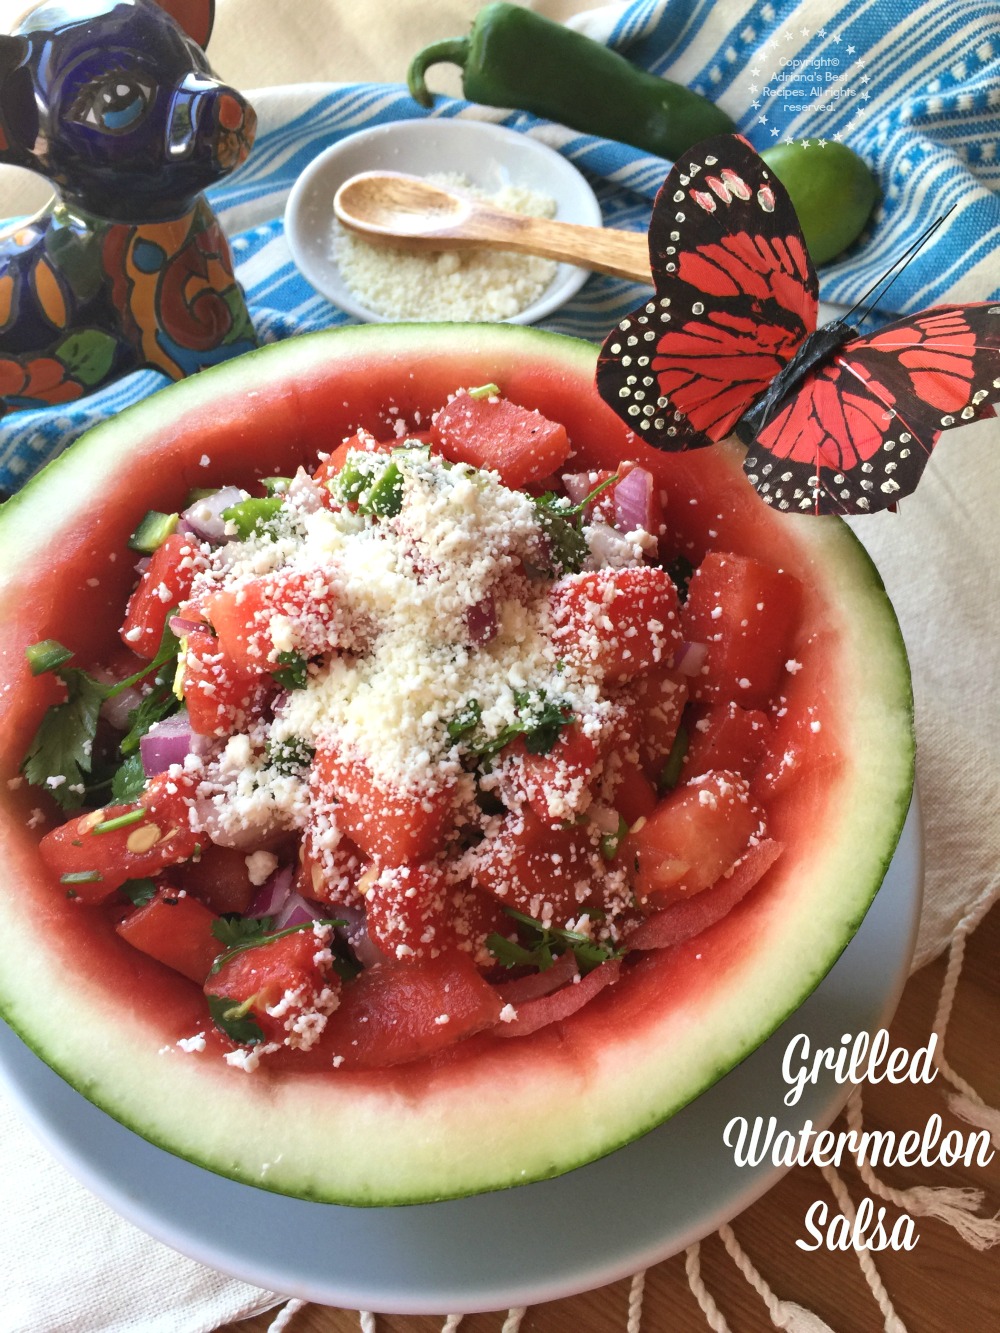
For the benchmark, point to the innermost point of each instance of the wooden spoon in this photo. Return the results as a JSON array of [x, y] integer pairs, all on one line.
[[392, 208]]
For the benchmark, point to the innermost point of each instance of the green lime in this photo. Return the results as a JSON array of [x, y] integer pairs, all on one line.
[[832, 189]]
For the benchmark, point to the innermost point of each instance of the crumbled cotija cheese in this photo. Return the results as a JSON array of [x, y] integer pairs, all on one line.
[[399, 594], [460, 285]]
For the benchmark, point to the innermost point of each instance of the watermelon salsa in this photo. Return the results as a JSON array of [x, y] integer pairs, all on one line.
[[448, 722], [469, 730]]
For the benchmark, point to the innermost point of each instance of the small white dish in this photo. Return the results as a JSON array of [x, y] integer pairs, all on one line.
[[488, 156]]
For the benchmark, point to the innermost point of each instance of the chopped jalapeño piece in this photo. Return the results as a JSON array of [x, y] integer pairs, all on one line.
[[153, 531]]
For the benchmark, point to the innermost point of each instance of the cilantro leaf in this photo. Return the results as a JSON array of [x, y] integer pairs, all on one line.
[[241, 931], [539, 719], [562, 524], [289, 757], [164, 664], [129, 781], [542, 943], [292, 672], [466, 720], [542, 719], [510, 953], [232, 1018], [139, 891], [161, 702], [63, 745], [59, 756], [567, 545]]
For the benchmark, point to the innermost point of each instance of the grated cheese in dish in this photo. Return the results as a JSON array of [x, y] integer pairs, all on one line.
[[453, 285]]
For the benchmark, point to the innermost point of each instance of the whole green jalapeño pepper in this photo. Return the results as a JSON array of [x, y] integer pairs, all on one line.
[[518, 59]]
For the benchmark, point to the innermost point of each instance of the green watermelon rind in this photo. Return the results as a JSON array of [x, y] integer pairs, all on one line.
[[527, 1111]]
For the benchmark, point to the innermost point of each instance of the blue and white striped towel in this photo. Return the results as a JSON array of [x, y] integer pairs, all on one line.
[[911, 85]]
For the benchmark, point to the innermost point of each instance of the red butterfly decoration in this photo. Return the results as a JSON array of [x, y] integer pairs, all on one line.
[[834, 423]]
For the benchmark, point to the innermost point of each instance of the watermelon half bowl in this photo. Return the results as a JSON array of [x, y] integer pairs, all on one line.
[[485, 1114]]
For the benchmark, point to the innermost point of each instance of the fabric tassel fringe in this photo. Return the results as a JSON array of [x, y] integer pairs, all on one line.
[[954, 1205]]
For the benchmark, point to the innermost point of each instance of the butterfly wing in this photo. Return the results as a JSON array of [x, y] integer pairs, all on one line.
[[857, 433], [735, 295]]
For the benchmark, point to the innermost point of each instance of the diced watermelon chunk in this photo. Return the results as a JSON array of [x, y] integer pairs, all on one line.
[[393, 1013], [176, 930], [393, 825], [690, 916], [801, 742], [693, 836], [253, 623], [286, 985], [219, 696], [165, 583], [219, 877], [634, 795], [492, 432], [94, 860], [747, 614], [556, 784], [415, 913], [725, 736], [362, 441], [654, 703], [625, 620], [541, 869]]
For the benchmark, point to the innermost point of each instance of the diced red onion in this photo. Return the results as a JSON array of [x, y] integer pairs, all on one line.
[[141, 565], [690, 658], [181, 627], [272, 895], [366, 951], [115, 710], [634, 501], [165, 743], [481, 620], [296, 912], [353, 917], [204, 517], [209, 820], [578, 485], [604, 817]]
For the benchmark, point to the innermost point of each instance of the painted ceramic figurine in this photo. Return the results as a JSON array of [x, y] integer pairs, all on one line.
[[114, 102]]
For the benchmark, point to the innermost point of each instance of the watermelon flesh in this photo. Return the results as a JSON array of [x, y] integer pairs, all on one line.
[[484, 1113]]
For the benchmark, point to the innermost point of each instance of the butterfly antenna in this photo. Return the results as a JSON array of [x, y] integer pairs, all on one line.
[[900, 265]]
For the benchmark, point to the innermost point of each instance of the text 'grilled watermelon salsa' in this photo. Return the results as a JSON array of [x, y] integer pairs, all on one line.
[[470, 729]]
